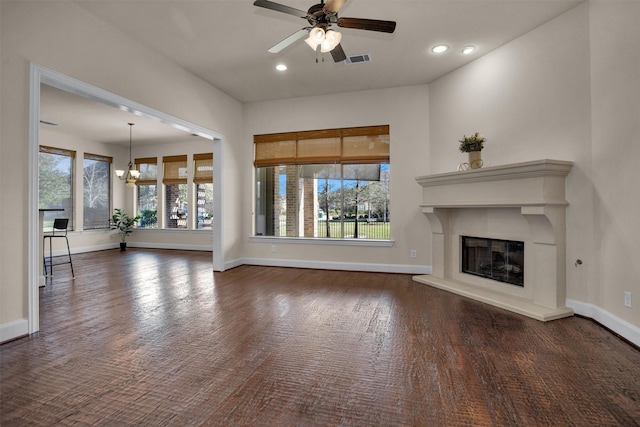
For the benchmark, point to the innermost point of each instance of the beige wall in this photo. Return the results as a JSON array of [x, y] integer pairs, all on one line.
[[567, 90], [405, 110], [615, 125], [64, 37]]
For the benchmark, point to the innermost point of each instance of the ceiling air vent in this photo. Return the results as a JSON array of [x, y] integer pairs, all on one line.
[[358, 58]]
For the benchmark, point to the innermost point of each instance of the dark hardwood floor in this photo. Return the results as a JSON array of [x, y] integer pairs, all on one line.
[[153, 337]]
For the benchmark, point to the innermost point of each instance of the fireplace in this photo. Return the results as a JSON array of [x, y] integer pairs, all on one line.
[[489, 216], [495, 259]]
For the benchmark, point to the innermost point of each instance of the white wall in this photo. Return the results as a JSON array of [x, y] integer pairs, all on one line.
[[567, 90], [66, 38], [404, 110]]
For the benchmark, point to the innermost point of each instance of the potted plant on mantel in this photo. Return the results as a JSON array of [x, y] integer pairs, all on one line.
[[473, 145], [124, 224]]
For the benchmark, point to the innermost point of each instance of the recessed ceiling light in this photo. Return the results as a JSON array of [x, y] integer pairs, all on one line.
[[468, 49], [440, 48], [281, 67]]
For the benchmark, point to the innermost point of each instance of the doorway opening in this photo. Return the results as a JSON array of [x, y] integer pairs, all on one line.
[[42, 75]]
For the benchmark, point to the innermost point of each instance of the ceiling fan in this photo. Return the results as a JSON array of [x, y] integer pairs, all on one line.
[[321, 16]]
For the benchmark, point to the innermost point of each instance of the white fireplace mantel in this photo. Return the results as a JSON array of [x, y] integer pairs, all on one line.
[[537, 190]]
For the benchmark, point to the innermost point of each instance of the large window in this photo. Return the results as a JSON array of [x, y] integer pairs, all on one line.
[[97, 190], [175, 190], [56, 183], [329, 183], [147, 204], [203, 182]]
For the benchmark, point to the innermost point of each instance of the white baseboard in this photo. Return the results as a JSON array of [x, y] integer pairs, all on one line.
[[620, 326], [332, 265], [12, 330], [84, 249], [63, 252], [204, 248]]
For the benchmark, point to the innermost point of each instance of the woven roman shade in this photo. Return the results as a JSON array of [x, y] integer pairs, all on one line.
[[175, 169], [58, 151], [369, 144], [148, 167], [98, 157], [203, 168]]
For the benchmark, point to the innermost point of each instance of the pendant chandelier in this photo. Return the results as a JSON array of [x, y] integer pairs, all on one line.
[[132, 174]]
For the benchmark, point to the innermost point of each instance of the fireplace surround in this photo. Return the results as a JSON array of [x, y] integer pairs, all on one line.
[[522, 202]]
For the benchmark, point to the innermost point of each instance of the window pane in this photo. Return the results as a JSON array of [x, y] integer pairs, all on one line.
[[176, 205], [271, 204], [96, 192], [323, 200], [204, 201], [55, 187], [366, 201], [148, 206]]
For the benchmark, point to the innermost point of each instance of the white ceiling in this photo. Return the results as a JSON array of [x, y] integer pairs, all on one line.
[[91, 120], [225, 42]]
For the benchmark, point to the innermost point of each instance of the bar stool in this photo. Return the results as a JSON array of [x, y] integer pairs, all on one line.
[[59, 231]]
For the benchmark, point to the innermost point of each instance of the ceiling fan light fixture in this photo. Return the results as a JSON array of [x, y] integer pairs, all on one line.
[[316, 37], [331, 40]]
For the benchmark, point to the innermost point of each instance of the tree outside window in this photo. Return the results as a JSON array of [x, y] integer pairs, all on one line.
[[96, 191]]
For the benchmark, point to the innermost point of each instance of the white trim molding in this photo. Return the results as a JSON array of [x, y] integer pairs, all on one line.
[[12, 330], [332, 265], [620, 326]]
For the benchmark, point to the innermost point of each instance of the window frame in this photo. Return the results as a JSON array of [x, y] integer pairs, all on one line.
[[282, 149], [71, 154]]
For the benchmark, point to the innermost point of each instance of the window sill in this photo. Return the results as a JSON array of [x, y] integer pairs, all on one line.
[[322, 241], [175, 230]]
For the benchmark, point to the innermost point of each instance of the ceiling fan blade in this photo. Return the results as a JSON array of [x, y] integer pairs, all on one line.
[[280, 8], [338, 54], [333, 6], [289, 40], [367, 24]]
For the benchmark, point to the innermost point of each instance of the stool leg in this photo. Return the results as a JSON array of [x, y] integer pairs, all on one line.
[[44, 255], [70, 262], [51, 256]]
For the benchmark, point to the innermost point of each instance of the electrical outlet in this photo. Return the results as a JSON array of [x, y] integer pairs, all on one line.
[[273, 248], [413, 253], [627, 299]]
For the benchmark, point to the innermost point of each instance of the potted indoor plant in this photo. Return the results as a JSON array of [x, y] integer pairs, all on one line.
[[473, 145], [124, 224]]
